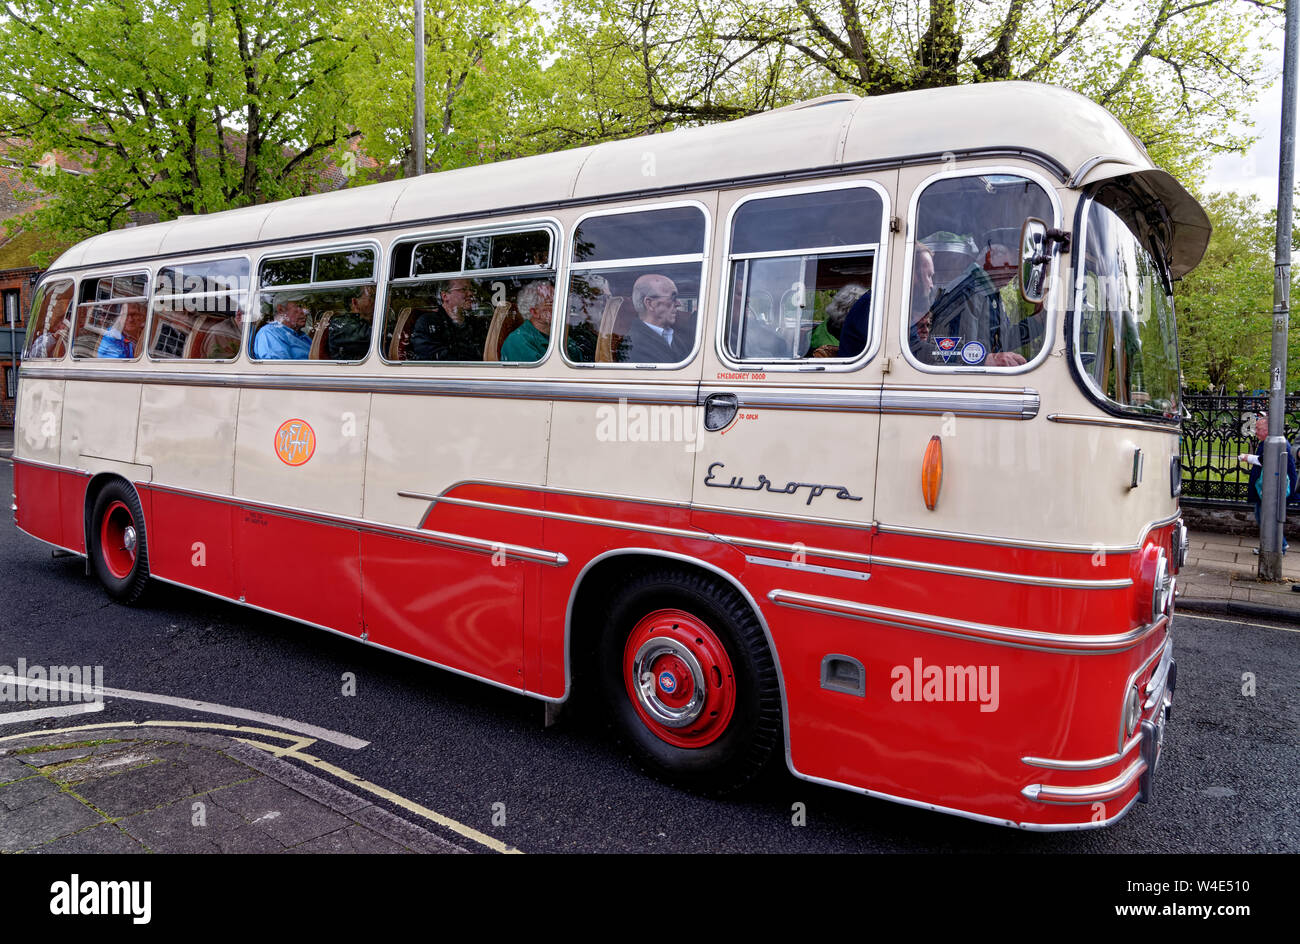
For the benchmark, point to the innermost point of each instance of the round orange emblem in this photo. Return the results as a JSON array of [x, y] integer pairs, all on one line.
[[295, 442]]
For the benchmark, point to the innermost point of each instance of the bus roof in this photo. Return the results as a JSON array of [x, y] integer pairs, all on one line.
[[1083, 142]]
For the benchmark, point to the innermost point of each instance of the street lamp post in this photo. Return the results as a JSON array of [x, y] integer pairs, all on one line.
[[1272, 517], [417, 129]]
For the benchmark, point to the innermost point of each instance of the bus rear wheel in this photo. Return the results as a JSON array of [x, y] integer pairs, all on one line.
[[119, 552], [689, 681]]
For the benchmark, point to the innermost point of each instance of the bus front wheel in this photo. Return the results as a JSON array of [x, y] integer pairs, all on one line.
[[690, 681], [119, 552]]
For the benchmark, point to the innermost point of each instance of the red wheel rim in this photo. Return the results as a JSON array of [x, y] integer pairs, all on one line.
[[679, 677], [117, 540]]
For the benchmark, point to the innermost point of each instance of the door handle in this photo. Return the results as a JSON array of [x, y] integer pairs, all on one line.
[[719, 410]]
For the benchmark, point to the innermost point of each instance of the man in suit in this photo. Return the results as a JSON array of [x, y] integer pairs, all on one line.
[[652, 337]]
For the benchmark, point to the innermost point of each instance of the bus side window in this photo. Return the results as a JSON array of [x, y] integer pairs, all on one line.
[[198, 310], [471, 299], [802, 270], [47, 330], [635, 289], [318, 306], [966, 309], [110, 320]]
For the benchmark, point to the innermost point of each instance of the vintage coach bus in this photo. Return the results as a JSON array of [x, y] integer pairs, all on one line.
[[845, 434]]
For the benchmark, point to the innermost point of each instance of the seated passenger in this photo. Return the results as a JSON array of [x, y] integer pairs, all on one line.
[[528, 342], [827, 338], [283, 339], [123, 338], [588, 296], [453, 331], [650, 338], [349, 334], [964, 322]]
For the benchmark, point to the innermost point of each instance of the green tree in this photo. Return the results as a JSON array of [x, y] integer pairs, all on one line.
[[1225, 304], [174, 106], [1178, 74], [483, 75]]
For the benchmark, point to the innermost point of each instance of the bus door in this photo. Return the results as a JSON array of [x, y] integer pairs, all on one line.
[[301, 440], [791, 396], [791, 388], [299, 458]]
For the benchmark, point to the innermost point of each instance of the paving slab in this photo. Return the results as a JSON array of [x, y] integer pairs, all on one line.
[[185, 792], [280, 812], [59, 814], [354, 840], [106, 838]]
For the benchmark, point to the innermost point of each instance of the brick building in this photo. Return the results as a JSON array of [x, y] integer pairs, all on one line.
[[18, 276]]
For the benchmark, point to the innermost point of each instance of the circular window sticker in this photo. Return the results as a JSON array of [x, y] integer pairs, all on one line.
[[295, 442], [973, 353]]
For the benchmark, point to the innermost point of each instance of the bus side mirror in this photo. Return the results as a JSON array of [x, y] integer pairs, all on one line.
[[1035, 261], [1037, 246]]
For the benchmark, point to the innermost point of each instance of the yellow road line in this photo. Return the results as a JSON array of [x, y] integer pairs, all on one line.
[[496, 845]]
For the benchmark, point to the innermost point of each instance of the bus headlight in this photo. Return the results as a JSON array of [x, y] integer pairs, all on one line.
[[1132, 711], [1162, 589], [1178, 546]]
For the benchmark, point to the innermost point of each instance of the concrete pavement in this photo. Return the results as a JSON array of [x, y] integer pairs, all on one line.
[[1220, 577], [134, 790]]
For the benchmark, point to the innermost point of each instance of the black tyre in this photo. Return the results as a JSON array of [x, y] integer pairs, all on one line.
[[118, 549], [690, 682]]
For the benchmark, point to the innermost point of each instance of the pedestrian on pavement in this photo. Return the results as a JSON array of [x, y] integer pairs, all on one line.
[[1254, 486]]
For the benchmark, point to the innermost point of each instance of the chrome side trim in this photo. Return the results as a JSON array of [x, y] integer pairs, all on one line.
[[813, 568], [964, 814], [18, 460], [783, 547], [1001, 576], [682, 393], [1132, 679], [811, 397], [993, 404], [964, 629], [1092, 764], [1084, 169], [793, 549], [1155, 688], [1112, 421], [560, 516], [990, 404], [1033, 545], [1090, 793], [459, 541], [1066, 583]]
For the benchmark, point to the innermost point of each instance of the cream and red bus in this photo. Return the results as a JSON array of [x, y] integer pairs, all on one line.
[[844, 434]]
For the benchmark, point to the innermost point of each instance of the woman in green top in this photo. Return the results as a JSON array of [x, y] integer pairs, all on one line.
[[827, 333]]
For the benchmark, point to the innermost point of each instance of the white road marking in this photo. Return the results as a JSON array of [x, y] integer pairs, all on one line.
[[1219, 619], [311, 730], [19, 717]]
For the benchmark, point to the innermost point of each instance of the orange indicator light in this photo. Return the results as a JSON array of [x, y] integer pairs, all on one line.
[[932, 472]]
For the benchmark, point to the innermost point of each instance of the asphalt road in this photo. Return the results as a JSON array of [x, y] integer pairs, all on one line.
[[461, 748]]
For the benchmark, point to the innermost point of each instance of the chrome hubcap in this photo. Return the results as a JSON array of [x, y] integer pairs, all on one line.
[[658, 668]]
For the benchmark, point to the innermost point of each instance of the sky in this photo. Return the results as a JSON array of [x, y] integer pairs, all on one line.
[[1256, 171]]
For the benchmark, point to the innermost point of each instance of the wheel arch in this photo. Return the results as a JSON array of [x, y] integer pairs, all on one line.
[[586, 597], [97, 483]]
